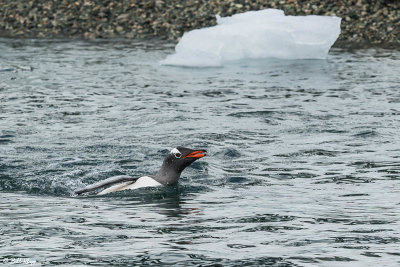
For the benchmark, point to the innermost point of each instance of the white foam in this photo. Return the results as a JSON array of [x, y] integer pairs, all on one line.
[[257, 34]]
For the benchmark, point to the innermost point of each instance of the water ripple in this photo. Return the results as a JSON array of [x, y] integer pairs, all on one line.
[[303, 163]]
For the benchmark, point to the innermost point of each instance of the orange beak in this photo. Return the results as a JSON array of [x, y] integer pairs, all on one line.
[[196, 154]]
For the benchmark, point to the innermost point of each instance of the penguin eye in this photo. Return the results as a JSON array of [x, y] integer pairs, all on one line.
[[178, 155]]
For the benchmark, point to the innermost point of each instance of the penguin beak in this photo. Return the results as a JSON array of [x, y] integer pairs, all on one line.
[[196, 154]]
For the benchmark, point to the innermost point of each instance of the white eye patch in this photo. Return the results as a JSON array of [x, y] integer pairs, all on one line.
[[176, 152]]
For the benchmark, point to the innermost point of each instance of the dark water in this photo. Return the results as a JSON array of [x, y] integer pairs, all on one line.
[[303, 166]]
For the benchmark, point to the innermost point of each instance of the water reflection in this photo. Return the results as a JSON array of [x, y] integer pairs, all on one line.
[[168, 201]]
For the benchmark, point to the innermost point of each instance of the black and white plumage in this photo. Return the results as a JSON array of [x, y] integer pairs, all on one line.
[[174, 163]]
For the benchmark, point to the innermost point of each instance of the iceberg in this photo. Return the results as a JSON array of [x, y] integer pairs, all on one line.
[[266, 33]]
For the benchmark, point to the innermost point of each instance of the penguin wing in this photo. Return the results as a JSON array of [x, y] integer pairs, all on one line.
[[107, 182]]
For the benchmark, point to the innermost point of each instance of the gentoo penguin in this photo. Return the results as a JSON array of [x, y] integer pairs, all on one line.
[[174, 163]]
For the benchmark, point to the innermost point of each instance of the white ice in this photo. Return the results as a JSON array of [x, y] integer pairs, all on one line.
[[257, 34]]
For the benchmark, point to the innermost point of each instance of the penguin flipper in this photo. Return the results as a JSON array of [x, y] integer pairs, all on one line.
[[107, 182]]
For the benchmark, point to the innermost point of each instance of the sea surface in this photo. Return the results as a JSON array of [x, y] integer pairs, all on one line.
[[303, 166]]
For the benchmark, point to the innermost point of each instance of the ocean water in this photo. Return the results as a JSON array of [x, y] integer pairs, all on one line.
[[303, 166]]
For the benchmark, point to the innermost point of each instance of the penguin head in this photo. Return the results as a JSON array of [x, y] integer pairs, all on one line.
[[181, 157]]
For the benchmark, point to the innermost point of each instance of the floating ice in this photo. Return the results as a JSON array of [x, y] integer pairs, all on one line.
[[257, 34]]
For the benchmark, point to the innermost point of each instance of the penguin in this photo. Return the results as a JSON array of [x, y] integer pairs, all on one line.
[[174, 163]]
